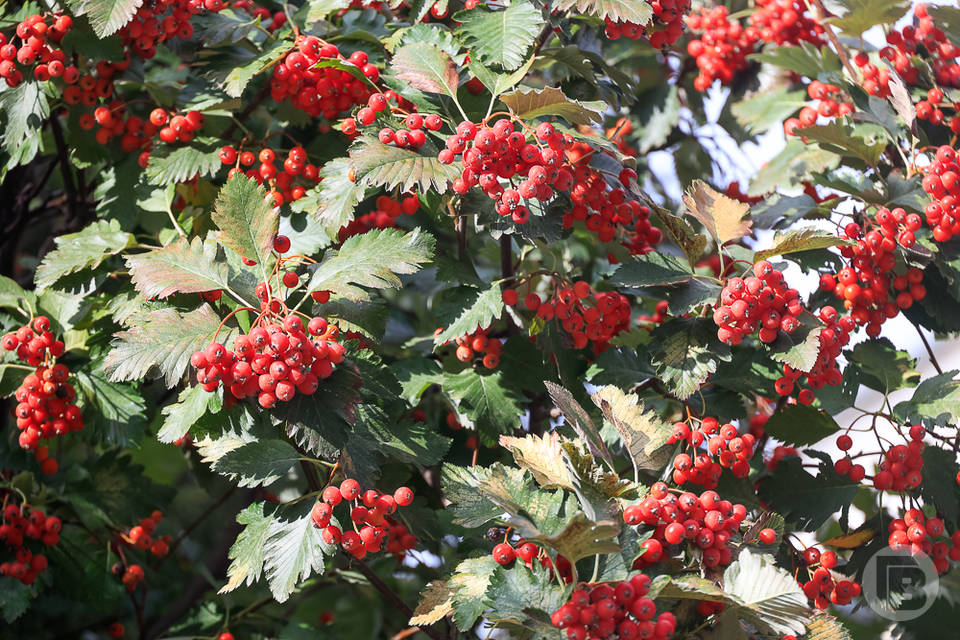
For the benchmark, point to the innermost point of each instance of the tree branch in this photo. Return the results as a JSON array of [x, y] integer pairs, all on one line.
[[391, 595], [68, 183], [933, 358]]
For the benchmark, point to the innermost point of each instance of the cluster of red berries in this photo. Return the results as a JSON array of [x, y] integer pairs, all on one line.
[[913, 39], [825, 371], [732, 450], [761, 301], [785, 22], [37, 33], [282, 180], [614, 610], [916, 533], [665, 28], [384, 216], [141, 536], [45, 400], [722, 47], [22, 523], [826, 106], [326, 91], [479, 344], [930, 110], [130, 576], [942, 183], [505, 553], [823, 588], [901, 468], [414, 135], [706, 522], [370, 517], [585, 314]]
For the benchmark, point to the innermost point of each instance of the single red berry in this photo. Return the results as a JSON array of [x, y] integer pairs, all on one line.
[[504, 554]]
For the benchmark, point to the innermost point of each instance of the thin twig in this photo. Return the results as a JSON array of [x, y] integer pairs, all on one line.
[[68, 183], [391, 595], [203, 516], [841, 51], [933, 358]]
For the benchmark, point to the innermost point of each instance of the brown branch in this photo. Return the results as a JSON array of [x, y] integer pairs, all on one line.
[[253, 104], [65, 169], [821, 15], [203, 516], [933, 358], [391, 595]]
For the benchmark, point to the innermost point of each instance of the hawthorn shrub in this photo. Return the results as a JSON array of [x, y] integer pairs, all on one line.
[[354, 319]]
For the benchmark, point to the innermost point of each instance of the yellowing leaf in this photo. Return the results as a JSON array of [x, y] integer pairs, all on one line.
[[851, 540], [642, 431], [724, 217], [435, 604], [543, 456]]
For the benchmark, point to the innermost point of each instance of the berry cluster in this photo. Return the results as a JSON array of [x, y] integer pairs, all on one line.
[[942, 183], [705, 522], [823, 588], [930, 110], [826, 106], [382, 217], [916, 533], [785, 22], [45, 399], [478, 344], [616, 610], [369, 516], [732, 450], [761, 300], [585, 314], [825, 371], [665, 28], [413, 134], [902, 467], [722, 47], [22, 523], [321, 91], [141, 536], [283, 188], [39, 39], [914, 39], [130, 576]]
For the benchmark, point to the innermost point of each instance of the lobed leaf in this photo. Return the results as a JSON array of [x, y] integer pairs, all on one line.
[[501, 37]]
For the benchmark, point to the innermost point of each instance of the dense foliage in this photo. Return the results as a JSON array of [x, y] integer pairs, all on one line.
[[362, 319]]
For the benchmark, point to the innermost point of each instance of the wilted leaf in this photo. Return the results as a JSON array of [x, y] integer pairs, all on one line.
[[724, 218]]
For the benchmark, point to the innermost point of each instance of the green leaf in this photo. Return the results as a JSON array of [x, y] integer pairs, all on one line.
[[480, 313], [469, 584], [180, 267], [85, 249], [724, 218], [501, 37], [12, 295], [106, 16], [804, 499], [797, 240], [939, 486], [26, 108], [806, 60], [426, 67], [638, 13], [373, 259], [796, 424], [582, 537], [934, 401], [414, 443], [320, 9], [116, 412], [337, 195], [469, 507], [293, 550], [860, 15], [681, 233], [767, 109], [643, 433], [163, 339], [530, 104], [247, 552], [800, 348], [885, 367], [497, 83], [796, 162], [321, 422], [685, 351], [484, 402], [765, 594], [192, 403], [624, 366], [170, 165], [577, 417], [518, 593], [251, 464], [659, 111], [651, 270], [237, 79], [381, 165], [15, 598], [247, 221], [842, 139]]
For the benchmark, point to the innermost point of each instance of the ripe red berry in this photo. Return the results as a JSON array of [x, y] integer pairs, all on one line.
[[504, 554]]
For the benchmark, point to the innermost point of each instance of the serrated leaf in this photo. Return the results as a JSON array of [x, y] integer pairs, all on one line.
[[485, 308], [26, 108], [293, 550], [682, 234], [595, 486], [807, 59], [652, 270], [880, 360], [843, 139], [320, 9], [518, 592], [426, 67], [501, 37], [551, 101], [542, 456], [163, 339], [623, 366], [435, 604], [935, 400], [15, 599], [638, 13], [106, 16], [118, 413], [939, 486], [642, 431], [577, 417], [170, 165], [321, 423], [247, 552], [374, 259], [797, 424], [192, 403], [247, 221], [860, 15], [236, 80], [85, 249], [469, 584], [767, 595], [497, 83], [180, 267], [801, 240], [381, 165], [582, 537], [767, 109], [724, 218], [251, 464], [469, 507], [685, 351], [800, 348], [804, 499], [337, 195], [484, 401], [824, 626]]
